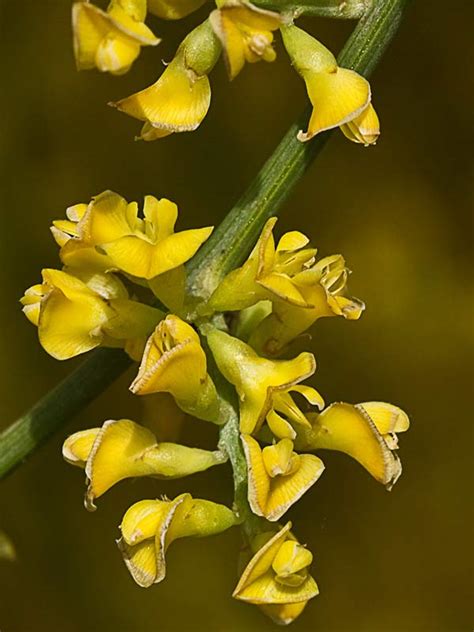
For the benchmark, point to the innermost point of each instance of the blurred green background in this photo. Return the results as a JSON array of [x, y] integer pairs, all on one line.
[[399, 212]]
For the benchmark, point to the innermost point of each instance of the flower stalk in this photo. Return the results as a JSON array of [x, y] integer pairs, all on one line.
[[225, 250], [351, 10]]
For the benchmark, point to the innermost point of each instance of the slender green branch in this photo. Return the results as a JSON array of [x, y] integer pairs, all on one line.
[[94, 375], [265, 196], [345, 9], [227, 247]]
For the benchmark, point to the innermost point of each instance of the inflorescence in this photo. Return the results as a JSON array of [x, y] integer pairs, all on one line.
[[179, 100], [123, 284]]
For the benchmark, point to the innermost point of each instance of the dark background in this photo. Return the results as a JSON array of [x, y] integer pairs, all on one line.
[[400, 214]]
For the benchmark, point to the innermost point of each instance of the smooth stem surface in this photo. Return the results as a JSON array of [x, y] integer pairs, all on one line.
[[345, 9], [226, 248], [93, 376]]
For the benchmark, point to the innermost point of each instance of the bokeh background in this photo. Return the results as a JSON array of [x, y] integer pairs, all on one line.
[[399, 212]]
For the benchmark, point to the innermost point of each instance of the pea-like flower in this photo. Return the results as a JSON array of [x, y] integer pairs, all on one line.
[[264, 386], [110, 40], [269, 273], [324, 288], [174, 362], [277, 576], [123, 449], [180, 99], [150, 526], [173, 9], [366, 432], [340, 97], [109, 234], [245, 32], [76, 313], [277, 476]]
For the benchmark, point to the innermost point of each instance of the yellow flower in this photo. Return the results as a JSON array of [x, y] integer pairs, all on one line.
[[245, 32], [264, 386], [108, 234], [277, 476], [277, 576], [268, 273], [324, 288], [180, 99], [110, 40], [173, 9], [364, 431], [124, 449], [75, 315], [150, 526], [174, 362], [340, 97]]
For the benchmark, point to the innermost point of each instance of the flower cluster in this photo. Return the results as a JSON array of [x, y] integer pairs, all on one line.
[[123, 284], [239, 31]]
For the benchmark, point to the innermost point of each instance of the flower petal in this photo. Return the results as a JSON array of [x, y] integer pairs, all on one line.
[[364, 129], [177, 102], [115, 455], [350, 429], [386, 417], [286, 490], [338, 97], [77, 447]]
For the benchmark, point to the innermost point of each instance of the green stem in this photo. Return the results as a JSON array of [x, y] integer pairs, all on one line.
[[235, 236], [348, 10], [226, 249], [80, 387]]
